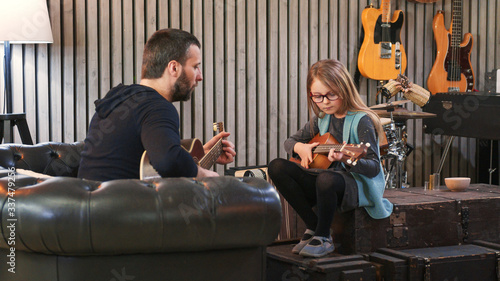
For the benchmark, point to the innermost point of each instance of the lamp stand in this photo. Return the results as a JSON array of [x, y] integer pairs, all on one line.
[[7, 78], [9, 120]]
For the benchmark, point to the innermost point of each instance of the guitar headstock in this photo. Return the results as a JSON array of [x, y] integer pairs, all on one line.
[[353, 152], [219, 127]]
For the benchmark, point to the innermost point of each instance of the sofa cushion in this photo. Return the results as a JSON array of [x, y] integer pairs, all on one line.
[[51, 158], [70, 216]]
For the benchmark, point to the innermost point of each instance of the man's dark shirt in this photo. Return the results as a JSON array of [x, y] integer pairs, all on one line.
[[129, 120]]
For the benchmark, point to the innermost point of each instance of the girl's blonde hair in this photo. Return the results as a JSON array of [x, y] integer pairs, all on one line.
[[335, 76]]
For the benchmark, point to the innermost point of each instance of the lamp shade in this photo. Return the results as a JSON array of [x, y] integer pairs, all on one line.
[[25, 21]]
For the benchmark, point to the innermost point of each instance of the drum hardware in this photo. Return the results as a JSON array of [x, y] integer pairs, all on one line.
[[397, 149], [491, 170]]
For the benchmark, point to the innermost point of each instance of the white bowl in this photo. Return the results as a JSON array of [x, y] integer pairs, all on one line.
[[457, 184]]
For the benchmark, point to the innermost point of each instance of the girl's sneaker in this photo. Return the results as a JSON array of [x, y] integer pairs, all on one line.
[[318, 246], [308, 235]]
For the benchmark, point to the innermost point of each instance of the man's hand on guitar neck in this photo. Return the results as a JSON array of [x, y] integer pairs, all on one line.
[[228, 148]]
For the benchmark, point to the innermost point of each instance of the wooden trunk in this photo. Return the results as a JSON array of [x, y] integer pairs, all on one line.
[[459, 262], [423, 218], [283, 265]]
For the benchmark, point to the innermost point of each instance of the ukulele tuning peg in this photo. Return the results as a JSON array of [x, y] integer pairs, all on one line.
[[349, 161], [355, 162], [368, 144]]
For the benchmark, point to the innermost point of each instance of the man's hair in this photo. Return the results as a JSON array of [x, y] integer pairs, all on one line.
[[164, 46]]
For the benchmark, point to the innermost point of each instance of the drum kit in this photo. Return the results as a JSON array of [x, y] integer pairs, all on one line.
[[394, 147]]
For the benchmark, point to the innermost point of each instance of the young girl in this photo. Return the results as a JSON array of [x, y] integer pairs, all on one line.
[[338, 110]]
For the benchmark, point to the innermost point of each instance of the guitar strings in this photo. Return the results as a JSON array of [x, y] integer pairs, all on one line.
[[327, 147], [455, 43], [212, 155]]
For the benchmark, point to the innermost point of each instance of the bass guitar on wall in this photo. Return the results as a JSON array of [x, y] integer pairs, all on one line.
[[452, 70], [382, 56]]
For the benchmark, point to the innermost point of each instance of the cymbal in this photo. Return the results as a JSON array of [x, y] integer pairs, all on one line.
[[389, 105], [401, 114]]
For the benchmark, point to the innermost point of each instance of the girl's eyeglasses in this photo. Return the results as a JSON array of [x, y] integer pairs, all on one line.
[[319, 98]]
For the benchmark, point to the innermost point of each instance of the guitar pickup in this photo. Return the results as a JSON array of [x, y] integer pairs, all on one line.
[[385, 50]]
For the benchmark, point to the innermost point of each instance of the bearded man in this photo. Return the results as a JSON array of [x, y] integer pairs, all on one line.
[[133, 118]]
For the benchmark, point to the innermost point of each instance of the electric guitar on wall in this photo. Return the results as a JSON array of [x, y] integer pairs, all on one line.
[[452, 70], [352, 152], [195, 149], [381, 56]]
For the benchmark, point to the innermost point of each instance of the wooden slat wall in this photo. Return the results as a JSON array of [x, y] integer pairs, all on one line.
[[255, 59]]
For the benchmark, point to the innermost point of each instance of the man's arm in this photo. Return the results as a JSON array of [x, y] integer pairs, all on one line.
[[160, 137]]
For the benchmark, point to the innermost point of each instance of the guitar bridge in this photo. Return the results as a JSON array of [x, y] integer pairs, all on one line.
[[385, 50]]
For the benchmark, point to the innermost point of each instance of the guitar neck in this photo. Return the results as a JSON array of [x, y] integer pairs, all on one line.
[[211, 157], [386, 11], [325, 148], [456, 24]]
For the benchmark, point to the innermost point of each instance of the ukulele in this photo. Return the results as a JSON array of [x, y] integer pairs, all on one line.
[[195, 148], [352, 152], [381, 56], [452, 70]]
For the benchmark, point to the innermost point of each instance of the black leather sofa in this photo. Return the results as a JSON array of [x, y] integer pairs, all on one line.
[[65, 228]]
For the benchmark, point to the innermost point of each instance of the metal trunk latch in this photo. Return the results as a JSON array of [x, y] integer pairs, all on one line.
[[427, 274], [397, 235]]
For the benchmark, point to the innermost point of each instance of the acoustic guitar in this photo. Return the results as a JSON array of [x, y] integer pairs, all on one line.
[[195, 148], [352, 152], [382, 56], [452, 70]]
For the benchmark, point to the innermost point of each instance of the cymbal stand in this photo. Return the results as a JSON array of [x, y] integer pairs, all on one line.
[[396, 155], [491, 170], [398, 150]]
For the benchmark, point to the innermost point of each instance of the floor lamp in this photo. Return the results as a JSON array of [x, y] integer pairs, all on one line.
[[21, 22]]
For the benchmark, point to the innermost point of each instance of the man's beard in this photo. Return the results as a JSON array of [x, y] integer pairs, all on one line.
[[182, 91]]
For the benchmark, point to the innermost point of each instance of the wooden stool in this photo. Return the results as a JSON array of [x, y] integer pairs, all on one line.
[[7, 123]]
